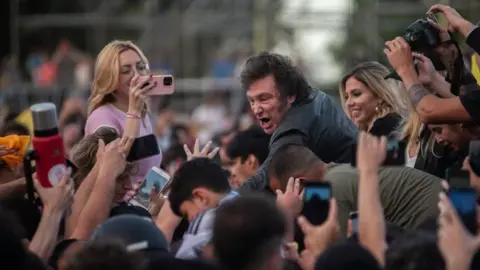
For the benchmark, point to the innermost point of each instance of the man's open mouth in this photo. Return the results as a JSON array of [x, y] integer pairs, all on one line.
[[264, 121]]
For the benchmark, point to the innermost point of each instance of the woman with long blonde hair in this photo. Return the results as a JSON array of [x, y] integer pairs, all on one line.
[[373, 103], [119, 96]]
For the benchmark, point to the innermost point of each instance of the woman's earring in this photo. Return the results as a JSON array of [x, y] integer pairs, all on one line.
[[377, 109]]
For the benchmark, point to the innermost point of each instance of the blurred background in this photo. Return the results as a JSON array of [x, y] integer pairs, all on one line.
[[49, 46]]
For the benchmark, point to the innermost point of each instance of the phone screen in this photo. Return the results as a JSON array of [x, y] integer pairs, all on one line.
[[396, 154], [156, 178], [465, 202], [143, 147], [316, 202], [354, 219]]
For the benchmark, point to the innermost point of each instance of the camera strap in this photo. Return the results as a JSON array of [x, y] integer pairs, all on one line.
[[458, 69]]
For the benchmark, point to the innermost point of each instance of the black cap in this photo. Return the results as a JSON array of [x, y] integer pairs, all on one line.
[[138, 233]]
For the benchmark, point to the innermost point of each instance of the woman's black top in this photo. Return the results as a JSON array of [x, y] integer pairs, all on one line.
[[387, 125]]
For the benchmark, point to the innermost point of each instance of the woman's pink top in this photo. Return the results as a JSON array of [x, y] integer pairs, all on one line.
[[109, 116]]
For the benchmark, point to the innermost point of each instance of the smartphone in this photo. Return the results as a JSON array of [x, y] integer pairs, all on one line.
[[316, 201], [143, 147], [164, 85], [474, 156], [457, 178], [156, 178], [465, 202], [463, 197], [354, 219], [396, 154]]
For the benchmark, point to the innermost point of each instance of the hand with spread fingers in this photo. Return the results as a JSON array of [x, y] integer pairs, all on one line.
[[456, 22], [456, 244], [200, 154], [399, 55], [319, 238], [291, 201]]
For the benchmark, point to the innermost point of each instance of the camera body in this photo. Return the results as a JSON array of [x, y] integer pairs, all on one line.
[[423, 38]]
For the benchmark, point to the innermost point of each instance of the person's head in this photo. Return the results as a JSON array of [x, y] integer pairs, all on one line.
[[139, 233], [455, 136], [294, 161], [247, 151], [106, 255], [15, 254], [116, 65], [199, 184], [273, 84], [85, 156], [248, 233], [414, 250], [367, 96]]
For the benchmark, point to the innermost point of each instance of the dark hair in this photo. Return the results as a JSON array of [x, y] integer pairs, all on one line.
[[414, 250], [14, 254], [291, 160], [246, 231], [106, 255], [198, 172], [14, 128], [253, 141], [289, 80]]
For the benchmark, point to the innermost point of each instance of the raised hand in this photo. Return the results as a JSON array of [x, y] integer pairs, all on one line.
[[139, 87], [59, 197], [200, 154], [291, 201], [371, 152], [456, 22], [399, 54], [115, 154]]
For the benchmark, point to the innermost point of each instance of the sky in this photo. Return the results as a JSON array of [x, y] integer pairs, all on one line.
[[321, 24]]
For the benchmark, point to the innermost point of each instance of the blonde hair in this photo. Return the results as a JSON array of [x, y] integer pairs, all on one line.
[[392, 98], [85, 154], [107, 72]]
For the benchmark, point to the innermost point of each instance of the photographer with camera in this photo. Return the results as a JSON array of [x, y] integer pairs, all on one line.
[[430, 39]]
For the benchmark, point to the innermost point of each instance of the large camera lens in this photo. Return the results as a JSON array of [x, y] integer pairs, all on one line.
[[167, 81]]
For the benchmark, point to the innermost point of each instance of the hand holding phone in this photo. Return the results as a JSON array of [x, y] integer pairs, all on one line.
[[156, 178], [162, 85]]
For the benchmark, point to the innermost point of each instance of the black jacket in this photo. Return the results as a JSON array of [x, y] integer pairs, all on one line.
[[319, 124]]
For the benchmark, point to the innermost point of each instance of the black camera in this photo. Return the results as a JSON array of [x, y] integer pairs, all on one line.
[[422, 36]]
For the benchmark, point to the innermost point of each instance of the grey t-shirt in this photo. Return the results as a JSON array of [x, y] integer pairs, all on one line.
[[409, 196]]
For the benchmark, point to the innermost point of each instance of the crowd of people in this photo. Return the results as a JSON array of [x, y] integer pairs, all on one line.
[[241, 199]]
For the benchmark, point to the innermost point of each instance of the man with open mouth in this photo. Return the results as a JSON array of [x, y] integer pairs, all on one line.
[[287, 108]]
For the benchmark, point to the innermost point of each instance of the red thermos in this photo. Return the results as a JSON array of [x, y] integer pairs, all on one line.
[[48, 154]]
